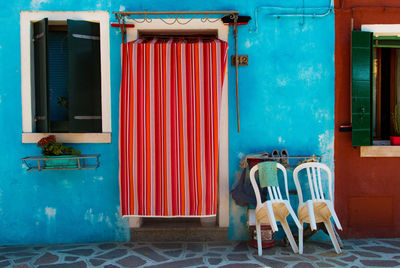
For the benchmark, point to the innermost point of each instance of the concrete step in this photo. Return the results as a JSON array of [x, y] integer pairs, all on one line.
[[196, 234], [168, 230]]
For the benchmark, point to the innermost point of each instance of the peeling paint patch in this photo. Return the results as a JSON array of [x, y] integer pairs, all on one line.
[[35, 4], [99, 178], [50, 212], [121, 8], [93, 218], [248, 44], [240, 155]]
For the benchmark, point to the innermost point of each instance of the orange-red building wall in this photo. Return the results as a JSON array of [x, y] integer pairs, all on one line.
[[367, 190]]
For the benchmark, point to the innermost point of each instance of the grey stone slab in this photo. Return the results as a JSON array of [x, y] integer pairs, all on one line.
[[12, 249], [168, 245], [308, 250], [365, 254], [380, 263], [70, 258], [64, 247], [195, 247], [80, 264], [289, 259], [395, 243], [267, 251], [240, 265], [173, 253], [23, 254], [26, 259], [96, 262], [218, 249], [5, 263], [212, 254], [111, 266], [130, 245], [324, 264], [47, 258], [324, 245], [359, 242], [241, 247], [382, 249], [24, 265], [310, 257], [80, 252], [150, 253], [270, 262], [131, 261], [190, 255], [113, 254], [237, 257], [221, 244], [337, 262], [107, 246], [181, 263], [350, 258], [303, 265], [214, 261]]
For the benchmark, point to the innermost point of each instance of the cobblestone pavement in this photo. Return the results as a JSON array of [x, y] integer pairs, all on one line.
[[356, 253]]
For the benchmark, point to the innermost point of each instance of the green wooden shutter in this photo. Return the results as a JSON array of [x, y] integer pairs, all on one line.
[[40, 32], [361, 88], [84, 81]]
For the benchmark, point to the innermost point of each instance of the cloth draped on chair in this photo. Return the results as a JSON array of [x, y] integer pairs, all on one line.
[[169, 119]]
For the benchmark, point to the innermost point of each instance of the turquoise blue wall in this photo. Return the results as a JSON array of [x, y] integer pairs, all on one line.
[[286, 101]]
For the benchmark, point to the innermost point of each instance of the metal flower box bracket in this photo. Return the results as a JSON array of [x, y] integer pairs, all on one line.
[[62, 162]]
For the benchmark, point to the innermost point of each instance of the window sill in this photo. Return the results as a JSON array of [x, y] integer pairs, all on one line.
[[380, 151], [69, 137]]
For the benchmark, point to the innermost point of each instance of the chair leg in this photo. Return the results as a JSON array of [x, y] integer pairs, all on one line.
[[335, 243], [289, 235], [313, 224], [271, 217], [296, 220], [334, 216], [301, 238], [258, 230]]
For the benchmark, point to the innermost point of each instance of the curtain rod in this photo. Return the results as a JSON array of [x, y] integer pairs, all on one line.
[[128, 13]]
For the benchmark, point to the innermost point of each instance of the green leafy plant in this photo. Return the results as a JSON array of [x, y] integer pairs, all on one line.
[[50, 147], [396, 120]]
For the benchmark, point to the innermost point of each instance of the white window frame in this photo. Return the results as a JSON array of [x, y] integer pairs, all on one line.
[[27, 78], [380, 150], [223, 178]]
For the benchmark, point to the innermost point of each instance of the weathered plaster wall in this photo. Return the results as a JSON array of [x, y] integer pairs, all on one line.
[[367, 199], [286, 101]]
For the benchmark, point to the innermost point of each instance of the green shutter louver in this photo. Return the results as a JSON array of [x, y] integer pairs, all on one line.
[[40, 33], [84, 80], [361, 85]]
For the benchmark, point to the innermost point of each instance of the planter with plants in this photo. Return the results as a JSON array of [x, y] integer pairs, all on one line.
[[59, 156], [395, 140]]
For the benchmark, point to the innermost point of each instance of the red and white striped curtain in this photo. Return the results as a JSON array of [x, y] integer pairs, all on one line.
[[169, 119]]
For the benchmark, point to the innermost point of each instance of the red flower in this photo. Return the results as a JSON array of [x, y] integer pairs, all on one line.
[[46, 140]]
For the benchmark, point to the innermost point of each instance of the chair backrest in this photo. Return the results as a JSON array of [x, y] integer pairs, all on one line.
[[314, 180], [274, 192]]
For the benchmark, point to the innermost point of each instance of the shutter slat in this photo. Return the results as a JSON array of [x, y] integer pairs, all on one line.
[[40, 33], [361, 88], [84, 84]]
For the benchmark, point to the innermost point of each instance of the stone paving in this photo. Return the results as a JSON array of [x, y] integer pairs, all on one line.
[[356, 253]]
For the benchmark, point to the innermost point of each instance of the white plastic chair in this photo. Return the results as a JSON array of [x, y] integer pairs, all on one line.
[[273, 210], [317, 209]]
